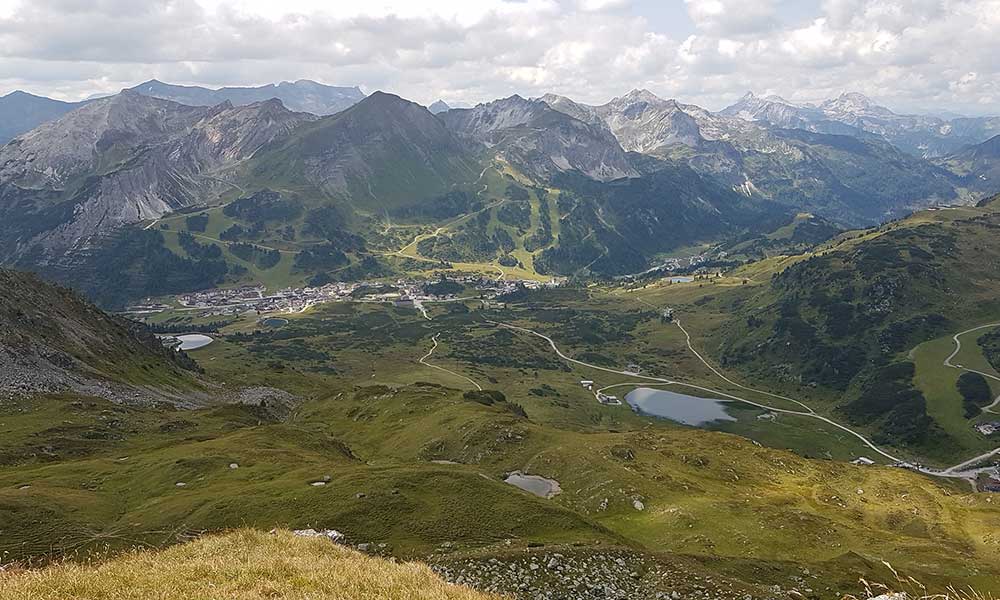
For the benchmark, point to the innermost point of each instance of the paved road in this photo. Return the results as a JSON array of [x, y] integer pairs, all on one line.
[[955, 472], [423, 361]]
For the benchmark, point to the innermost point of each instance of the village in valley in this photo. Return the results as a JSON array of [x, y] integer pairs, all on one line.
[[409, 293]]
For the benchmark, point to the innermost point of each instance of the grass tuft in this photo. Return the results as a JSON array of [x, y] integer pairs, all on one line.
[[906, 587]]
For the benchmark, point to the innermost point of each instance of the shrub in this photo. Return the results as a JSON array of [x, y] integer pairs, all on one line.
[[487, 397], [975, 392]]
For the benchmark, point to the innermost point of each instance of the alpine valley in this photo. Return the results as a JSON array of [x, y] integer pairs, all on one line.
[[551, 349]]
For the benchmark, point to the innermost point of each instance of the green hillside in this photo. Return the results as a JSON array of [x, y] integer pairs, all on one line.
[[49, 330], [846, 323], [408, 459]]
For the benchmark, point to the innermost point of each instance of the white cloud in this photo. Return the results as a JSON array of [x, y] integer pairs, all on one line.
[[911, 54], [733, 17], [599, 5]]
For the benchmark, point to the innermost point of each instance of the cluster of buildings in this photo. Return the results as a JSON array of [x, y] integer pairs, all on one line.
[[607, 399], [403, 292], [686, 264], [988, 428], [235, 301]]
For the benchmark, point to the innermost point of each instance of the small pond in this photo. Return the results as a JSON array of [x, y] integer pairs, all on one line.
[[681, 279], [274, 322], [193, 341], [534, 484], [682, 408]]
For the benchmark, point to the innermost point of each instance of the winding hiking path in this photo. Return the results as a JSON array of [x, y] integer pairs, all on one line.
[[959, 471], [958, 348], [687, 337], [423, 361]]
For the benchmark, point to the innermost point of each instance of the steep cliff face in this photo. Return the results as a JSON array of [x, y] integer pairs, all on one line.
[[122, 160], [542, 141]]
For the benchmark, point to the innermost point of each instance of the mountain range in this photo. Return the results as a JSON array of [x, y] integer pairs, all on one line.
[[21, 112], [299, 96], [848, 179], [856, 115], [401, 303], [667, 173]]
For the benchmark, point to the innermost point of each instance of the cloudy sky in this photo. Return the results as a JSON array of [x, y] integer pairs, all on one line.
[[913, 55]]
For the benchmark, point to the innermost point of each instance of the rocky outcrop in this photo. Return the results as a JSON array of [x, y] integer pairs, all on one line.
[[439, 107], [583, 573]]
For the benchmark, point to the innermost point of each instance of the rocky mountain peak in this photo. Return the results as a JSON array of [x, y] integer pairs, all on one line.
[[779, 100], [643, 95], [18, 94], [439, 107], [543, 140], [386, 105], [855, 98]]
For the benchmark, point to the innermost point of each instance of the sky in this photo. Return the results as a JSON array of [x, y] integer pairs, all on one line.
[[911, 55]]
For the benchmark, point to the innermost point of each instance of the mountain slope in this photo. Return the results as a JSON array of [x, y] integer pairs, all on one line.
[[242, 565], [21, 112], [542, 141], [298, 96], [615, 228], [383, 152], [51, 340], [121, 160], [846, 318], [978, 166]]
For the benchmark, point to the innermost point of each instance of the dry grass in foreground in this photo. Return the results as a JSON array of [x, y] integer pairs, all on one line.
[[908, 588], [243, 565]]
